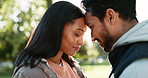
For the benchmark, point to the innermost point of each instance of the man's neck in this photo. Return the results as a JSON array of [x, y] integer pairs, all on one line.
[[127, 25]]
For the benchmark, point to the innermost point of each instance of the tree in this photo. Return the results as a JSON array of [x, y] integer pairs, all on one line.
[[17, 19], [49, 2], [89, 54]]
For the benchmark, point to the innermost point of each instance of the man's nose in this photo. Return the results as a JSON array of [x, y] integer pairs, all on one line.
[[92, 37]]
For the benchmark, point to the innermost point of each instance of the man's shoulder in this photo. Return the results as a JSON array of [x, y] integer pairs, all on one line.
[[137, 69], [127, 55], [140, 47], [137, 46]]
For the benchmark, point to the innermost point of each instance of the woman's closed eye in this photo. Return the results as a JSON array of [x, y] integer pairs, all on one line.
[[77, 34]]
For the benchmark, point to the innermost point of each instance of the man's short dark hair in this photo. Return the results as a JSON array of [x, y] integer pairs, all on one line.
[[125, 8]]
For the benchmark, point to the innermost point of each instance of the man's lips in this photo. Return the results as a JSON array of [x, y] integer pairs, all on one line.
[[99, 41], [96, 39]]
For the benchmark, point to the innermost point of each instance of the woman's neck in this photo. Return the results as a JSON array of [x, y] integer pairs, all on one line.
[[57, 59]]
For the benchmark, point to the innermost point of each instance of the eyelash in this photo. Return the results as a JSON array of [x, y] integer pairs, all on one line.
[[77, 35]]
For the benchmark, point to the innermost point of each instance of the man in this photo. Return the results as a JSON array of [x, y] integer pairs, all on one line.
[[114, 25]]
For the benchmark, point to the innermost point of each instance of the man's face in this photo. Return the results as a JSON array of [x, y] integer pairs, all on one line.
[[99, 31]]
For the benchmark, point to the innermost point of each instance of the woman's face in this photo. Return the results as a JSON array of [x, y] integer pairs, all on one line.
[[72, 38]]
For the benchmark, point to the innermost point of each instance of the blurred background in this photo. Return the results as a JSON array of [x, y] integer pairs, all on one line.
[[19, 17]]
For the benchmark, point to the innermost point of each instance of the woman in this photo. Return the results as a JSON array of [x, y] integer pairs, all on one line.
[[56, 39]]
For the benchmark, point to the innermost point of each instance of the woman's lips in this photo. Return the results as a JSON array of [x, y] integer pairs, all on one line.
[[76, 48]]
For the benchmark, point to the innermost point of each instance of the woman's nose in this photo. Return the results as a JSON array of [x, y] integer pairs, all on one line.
[[81, 41]]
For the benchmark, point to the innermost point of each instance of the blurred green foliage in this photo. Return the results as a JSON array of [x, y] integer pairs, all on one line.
[[17, 19]]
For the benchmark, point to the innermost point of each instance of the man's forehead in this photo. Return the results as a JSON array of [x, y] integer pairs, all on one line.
[[88, 13], [88, 17]]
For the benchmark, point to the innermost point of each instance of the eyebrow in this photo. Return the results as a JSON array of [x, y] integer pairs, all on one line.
[[80, 29]]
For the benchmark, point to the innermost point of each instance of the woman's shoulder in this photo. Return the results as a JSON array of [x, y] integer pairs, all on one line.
[[42, 70], [27, 72]]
